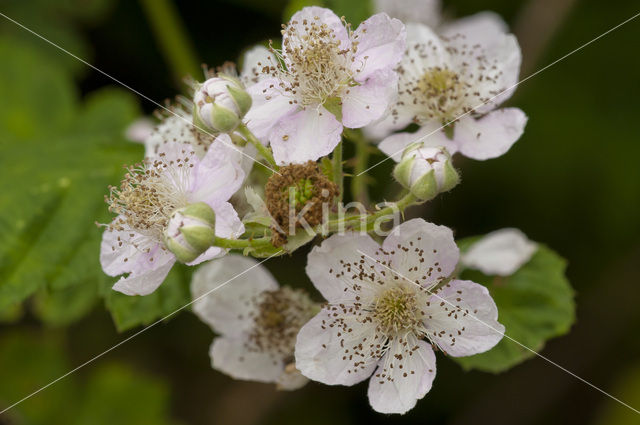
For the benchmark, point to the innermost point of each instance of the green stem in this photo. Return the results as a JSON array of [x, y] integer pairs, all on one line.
[[242, 243], [262, 149], [172, 38], [369, 219], [338, 174], [359, 189]]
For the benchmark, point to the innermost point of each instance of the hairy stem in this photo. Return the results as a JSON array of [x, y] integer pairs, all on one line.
[[338, 174], [262, 149], [359, 189], [242, 243]]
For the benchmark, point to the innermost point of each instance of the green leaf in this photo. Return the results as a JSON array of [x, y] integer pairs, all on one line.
[[58, 154], [355, 11], [534, 304]]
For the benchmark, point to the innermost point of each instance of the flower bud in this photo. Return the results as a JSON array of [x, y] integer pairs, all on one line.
[[220, 103], [426, 171], [190, 231]]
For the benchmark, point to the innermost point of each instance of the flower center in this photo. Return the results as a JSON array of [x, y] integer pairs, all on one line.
[[441, 93], [396, 309], [280, 315], [312, 63], [149, 194]]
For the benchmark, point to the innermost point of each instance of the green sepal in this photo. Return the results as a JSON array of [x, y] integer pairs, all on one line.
[[241, 97], [223, 119], [182, 253], [334, 105], [426, 187], [202, 211]]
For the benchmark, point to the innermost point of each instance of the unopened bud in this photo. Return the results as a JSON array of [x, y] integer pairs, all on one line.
[[426, 171], [191, 231], [220, 103]]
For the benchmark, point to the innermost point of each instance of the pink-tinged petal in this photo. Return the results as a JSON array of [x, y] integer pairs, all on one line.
[[422, 251], [318, 16], [430, 135], [389, 123], [269, 105], [144, 282], [218, 175], [305, 136], [482, 28], [491, 135], [330, 354], [326, 264], [253, 61], [228, 225], [425, 49], [381, 44], [424, 11], [231, 356], [224, 291], [462, 319], [397, 388], [500, 253], [363, 104]]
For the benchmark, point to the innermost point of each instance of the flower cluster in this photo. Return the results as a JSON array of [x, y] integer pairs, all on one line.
[[253, 162]]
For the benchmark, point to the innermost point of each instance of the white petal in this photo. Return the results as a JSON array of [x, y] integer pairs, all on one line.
[[231, 356], [217, 176], [291, 380], [144, 282], [462, 319], [369, 101], [482, 28], [500, 253], [491, 135], [324, 264], [430, 135], [422, 11], [318, 16], [427, 252], [397, 389], [268, 106], [328, 354], [253, 61], [239, 280], [305, 136], [381, 44]]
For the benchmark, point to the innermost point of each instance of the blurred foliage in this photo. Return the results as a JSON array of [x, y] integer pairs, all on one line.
[[612, 412], [355, 11], [111, 394], [534, 305]]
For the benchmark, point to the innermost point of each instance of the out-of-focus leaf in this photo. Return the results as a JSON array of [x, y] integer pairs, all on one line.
[[534, 304], [627, 388], [112, 394], [355, 11], [57, 156]]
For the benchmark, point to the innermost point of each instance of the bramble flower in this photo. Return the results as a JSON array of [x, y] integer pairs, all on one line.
[[500, 253], [220, 103], [426, 171], [147, 199], [456, 80], [325, 77], [387, 306], [258, 320]]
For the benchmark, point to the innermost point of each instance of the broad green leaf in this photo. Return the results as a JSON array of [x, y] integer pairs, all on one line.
[[534, 304], [58, 154]]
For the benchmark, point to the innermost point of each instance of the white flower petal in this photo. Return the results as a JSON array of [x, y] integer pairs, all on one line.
[[381, 44], [230, 355], [291, 380], [239, 279], [327, 354], [144, 282], [325, 269], [397, 389], [481, 28], [253, 61], [462, 319], [368, 102], [268, 106], [422, 251], [305, 136], [423, 11], [318, 16], [500, 253], [217, 176], [430, 135], [491, 135]]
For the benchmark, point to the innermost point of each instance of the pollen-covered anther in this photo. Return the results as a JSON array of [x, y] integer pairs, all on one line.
[[396, 310], [277, 319], [149, 194]]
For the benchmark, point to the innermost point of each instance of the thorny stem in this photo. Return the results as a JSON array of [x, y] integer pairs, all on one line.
[[262, 149], [338, 174]]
